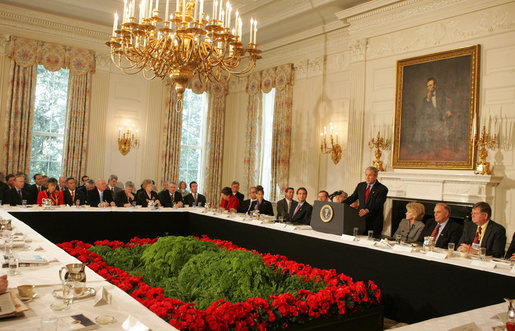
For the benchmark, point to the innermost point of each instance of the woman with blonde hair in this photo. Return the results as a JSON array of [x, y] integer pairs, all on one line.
[[411, 227], [148, 194]]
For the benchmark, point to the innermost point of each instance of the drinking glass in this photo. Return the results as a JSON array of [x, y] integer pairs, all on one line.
[[370, 235], [355, 232], [13, 265], [68, 291], [24, 202], [482, 253], [398, 238], [134, 204], [450, 248], [77, 203]]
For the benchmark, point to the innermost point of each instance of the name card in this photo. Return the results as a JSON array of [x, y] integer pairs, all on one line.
[[484, 264], [347, 238], [290, 227], [437, 255], [104, 298], [132, 324], [403, 248]]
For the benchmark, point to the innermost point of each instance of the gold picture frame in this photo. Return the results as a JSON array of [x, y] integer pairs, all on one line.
[[436, 107]]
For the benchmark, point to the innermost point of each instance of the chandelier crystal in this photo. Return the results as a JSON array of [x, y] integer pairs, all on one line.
[[185, 44]]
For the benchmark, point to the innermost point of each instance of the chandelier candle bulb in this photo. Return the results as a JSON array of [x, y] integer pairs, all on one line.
[[115, 24], [220, 11], [229, 10], [133, 8], [183, 11], [201, 11], [149, 10], [215, 6], [157, 5]]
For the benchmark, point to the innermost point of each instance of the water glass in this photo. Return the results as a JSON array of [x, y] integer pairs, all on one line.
[[77, 203], [68, 291], [429, 243], [370, 235], [482, 253], [133, 204], [24, 202], [355, 232], [13, 265], [450, 248]]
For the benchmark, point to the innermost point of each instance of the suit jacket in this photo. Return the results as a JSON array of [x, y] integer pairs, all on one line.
[[282, 208], [233, 203], [265, 208], [450, 234], [376, 198], [166, 199], [142, 197], [116, 190], [303, 215], [35, 191], [494, 238], [121, 198], [246, 206], [78, 195], [240, 197], [190, 201], [94, 197], [13, 198], [3, 189], [511, 249], [408, 233]]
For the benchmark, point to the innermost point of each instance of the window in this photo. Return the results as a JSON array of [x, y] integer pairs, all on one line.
[[48, 126], [267, 128], [193, 131]]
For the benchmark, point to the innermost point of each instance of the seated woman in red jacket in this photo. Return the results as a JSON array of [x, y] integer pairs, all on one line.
[[51, 193], [229, 201]]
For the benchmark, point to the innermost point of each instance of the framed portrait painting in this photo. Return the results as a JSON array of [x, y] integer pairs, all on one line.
[[436, 110]]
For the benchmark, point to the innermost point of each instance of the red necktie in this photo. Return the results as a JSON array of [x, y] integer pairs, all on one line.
[[73, 196], [435, 232], [477, 237], [296, 209], [367, 192]]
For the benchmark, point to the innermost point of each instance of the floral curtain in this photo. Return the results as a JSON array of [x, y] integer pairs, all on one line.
[[253, 136], [281, 136], [281, 78], [214, 142], [25, 55]]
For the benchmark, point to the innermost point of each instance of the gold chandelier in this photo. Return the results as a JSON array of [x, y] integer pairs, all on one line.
[[186, 44]]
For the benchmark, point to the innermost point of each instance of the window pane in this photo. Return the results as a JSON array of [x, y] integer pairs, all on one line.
[[266, 143], [189, 164], [49, 122]]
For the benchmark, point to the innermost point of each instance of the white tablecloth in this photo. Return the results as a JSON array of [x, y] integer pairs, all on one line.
[[46, 279]]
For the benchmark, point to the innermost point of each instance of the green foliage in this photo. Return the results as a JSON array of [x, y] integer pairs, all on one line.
[[197, 271]]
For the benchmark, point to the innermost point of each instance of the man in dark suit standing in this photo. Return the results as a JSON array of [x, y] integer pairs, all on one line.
[[249, 204], [235, 188], [72, 195], [83, 179], [483, 232], [194, 198], [371, 195], [300, 211], [284, 205], [442, 228], [100, 195], [16, 195], [170, 196], [37, 186]]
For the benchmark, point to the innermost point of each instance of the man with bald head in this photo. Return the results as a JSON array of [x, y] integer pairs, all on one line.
[[442, 228], [100, 196]]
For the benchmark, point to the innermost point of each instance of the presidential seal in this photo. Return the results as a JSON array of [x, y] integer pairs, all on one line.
[[326, 213]]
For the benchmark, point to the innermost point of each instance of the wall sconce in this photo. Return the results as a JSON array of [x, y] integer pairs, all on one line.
[[483, 142], [334, 149], [378, 143], [127, 138]]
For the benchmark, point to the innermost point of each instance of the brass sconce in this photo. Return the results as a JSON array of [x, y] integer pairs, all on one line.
[[379, 143], [127, 138], [483, 142], [332, 148]]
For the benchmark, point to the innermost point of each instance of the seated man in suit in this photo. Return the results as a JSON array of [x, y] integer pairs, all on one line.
[[229, 201], [170, 196], [371, 196], [100, 196], [442, 228], [323, 196], [235, 188], [483, 232], [247, 205], [194, 198], [73, 196], [301, 210], [284, 205], [18, 194], [111, 185], [510, 254], [62, 184], [263, 206], [37, 186], [125, 197]]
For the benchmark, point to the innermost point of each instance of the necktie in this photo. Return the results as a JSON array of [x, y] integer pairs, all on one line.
[[195, 196], [73, 196], [101, 196], [477, 237], [296, 209], [367, 192], [434, 234], [112, 190], [289, 206], [19, 193]]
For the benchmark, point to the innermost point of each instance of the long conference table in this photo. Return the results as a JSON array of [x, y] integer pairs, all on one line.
[[415, 286]]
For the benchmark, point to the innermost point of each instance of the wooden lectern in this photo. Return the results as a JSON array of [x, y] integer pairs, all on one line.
[[337, 218]]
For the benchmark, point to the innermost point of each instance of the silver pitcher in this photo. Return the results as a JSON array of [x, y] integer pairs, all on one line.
[[74, 272]]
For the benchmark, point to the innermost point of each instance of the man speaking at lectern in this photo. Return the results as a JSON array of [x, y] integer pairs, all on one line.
[[371, 195]]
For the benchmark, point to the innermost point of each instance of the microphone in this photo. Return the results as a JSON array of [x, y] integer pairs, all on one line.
[[335, 194]]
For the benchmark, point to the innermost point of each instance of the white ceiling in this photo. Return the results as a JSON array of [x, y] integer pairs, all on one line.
[[276, 18]]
